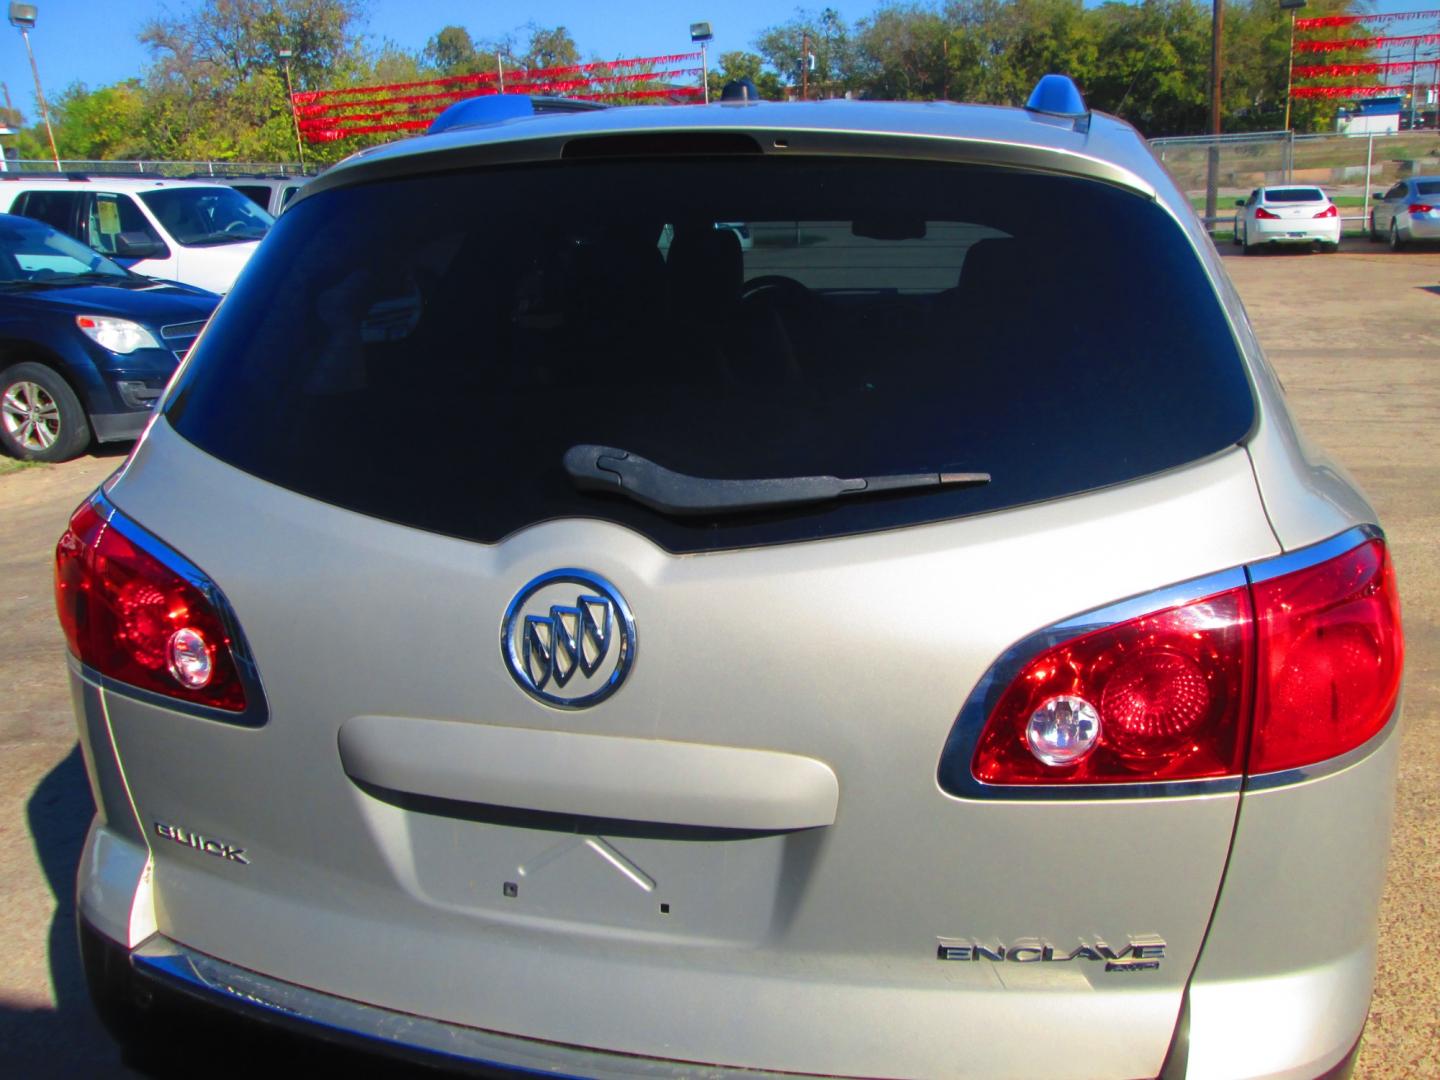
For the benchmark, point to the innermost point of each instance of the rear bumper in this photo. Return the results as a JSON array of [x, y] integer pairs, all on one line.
[[1424, 228], [1301, 231], [160, 973]]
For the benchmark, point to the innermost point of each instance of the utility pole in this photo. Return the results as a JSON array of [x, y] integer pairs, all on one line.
[[1414, 73], [805, 66], [285, 55], [1292, 6], [1212, 172]]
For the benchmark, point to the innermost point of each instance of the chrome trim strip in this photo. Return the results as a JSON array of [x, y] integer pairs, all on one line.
[[1266, 781], [239, 989], [1300, 558], [955, 778], [257, 709]]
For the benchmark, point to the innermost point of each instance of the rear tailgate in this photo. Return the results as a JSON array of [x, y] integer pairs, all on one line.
[[809, 949]]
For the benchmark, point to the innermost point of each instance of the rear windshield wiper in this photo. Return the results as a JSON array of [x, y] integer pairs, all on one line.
[[604, 468]]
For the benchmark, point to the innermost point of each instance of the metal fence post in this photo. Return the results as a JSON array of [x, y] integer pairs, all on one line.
[[1369, 160]]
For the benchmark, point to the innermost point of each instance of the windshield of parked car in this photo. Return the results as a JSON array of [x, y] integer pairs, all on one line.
[[1298, 194], [428, 349], [208, 216], [32, 253]]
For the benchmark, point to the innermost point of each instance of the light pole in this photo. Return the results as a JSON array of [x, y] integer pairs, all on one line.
[[700, 33], [1291, 6], [285, 55], [22, 17], [1212, 157]]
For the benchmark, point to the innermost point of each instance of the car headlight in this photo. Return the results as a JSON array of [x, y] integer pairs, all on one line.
[[118, 335]]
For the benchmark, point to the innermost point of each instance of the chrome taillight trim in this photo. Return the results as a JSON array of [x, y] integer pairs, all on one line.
[[257, 710], [1339, 763], [954, 776]]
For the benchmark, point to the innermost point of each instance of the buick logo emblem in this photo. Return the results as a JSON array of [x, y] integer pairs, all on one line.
[[568, 639]]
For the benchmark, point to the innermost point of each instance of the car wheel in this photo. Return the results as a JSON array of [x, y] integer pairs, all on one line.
[[1246, 248], [1330, 249], [41, 419], [1239, 228], [1374, 233], [1396, 243]]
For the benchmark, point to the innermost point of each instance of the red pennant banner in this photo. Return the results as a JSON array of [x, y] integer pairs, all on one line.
[[1322, 21], [1365, 43], [305, 97], [1347, 91], [329, 115], [1324, 71]]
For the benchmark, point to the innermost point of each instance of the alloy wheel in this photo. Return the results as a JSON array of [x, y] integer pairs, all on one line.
[[30, 415]]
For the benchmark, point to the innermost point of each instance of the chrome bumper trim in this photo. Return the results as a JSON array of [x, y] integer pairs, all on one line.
[[384, 1031]]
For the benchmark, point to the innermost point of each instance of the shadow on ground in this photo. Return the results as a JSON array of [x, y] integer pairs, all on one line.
[[66, 1041]]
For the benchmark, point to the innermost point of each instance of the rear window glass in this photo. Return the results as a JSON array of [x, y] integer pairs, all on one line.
[[1300, 194], [1427, 187], [426, 350]]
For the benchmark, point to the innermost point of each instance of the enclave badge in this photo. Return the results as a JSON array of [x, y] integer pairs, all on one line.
[[1142, 953], [568, 639]]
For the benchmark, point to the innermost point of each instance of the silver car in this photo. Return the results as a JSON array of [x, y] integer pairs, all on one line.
[[919, 645], [1409, 211]]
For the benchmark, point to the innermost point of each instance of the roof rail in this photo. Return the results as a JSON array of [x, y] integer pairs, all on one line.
[[1058, 96], [497, 108]]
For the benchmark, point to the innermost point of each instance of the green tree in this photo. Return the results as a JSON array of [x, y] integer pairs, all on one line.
[[550, 47], [831, 44], [745, 65], [453, 52], [240, 36], [107, 123], [904, 53]]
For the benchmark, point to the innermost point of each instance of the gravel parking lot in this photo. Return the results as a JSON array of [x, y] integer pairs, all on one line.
[[1356, 339]]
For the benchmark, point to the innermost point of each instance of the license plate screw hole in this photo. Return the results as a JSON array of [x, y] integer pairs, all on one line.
[[664, 909], [511, 889]]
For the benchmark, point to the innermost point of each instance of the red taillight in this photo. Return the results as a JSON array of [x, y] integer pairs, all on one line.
[[1171, 690], [1329, 211], [1262, 213], [132, 618], [1420, 208], [1168, 695], [1330, 658]]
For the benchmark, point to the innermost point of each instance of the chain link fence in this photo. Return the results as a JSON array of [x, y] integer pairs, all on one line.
[[1351, 168], [157, 168]]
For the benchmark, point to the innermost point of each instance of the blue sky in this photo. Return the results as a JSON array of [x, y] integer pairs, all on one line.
[[95, 41]]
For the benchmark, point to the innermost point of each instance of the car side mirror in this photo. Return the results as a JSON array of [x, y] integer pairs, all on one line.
[[139, 245], [1239, 202], [1378, 195]]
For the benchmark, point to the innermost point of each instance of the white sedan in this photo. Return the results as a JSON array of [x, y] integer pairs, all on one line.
[[1287, 215]]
